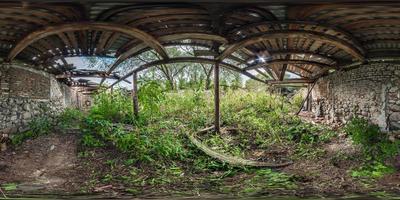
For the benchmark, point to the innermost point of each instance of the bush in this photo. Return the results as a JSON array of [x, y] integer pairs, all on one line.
[[37, 127], [375, 144], [70, 118], [150, 95], [373, 170], [115, 107]]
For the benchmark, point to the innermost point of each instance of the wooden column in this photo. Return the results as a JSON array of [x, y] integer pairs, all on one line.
[[307, 97], [309, 100], [134, 96], [216, 98]]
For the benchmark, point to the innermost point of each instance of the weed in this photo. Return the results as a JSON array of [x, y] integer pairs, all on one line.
[[9, 186], [70, 118], [372, 171], [375, 144]]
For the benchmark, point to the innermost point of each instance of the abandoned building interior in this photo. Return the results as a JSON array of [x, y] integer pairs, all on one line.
[[346, 54], [352, 46]]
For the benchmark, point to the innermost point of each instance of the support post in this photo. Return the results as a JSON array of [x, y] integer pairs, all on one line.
[[216, 98], [309, 100], [307, 97], [134, 96]]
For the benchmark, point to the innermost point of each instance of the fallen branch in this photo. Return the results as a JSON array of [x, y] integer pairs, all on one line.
[[231, 159]]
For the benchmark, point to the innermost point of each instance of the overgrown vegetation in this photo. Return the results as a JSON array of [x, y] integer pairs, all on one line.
[[153, 151], [376, 148], [155, 141]]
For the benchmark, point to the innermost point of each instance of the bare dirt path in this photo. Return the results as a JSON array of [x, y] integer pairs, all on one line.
[[46, 163]]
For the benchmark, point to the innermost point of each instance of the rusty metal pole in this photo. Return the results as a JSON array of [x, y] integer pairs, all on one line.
[[134, 96], [216, 98]]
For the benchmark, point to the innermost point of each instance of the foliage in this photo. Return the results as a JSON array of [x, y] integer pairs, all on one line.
[[90, 141], [373, 170], [40, 125], [9, 186], [375, 144], [297, 99], [70, 118], [114, 107], [37, 127], [268, 179], [150, 95], [306, 133]]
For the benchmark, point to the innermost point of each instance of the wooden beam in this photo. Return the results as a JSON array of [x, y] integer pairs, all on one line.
[[299, 23], [324, 38], [188, 60], [290, 81], [217, 124], [289, 61], [299, 53], [135, 96], [282, 74], [81, 26], [306, 99], [193, 36]]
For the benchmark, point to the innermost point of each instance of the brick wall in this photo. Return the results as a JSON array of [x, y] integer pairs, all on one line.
[[370, 91], [26, 93]]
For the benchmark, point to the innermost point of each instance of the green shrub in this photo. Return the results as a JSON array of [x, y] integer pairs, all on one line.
[[19, 138], [374, 170], [91, 141], [37, 127], [150, 95], [40, 125], [70, 118], [375, 144], [114, 107]]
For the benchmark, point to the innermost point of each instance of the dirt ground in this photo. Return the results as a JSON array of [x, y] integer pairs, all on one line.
[[46, 163]]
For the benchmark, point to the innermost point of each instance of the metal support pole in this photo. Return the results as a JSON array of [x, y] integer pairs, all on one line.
[[134, 96], [216, 98]]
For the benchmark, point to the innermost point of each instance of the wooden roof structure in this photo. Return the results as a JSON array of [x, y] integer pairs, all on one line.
[[271, 37]]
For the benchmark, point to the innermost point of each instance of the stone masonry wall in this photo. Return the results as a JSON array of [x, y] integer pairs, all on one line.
[[26, 93], [370, 91]]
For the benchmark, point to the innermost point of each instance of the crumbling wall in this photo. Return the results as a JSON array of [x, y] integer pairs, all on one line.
[[370, 91], [26, 93]]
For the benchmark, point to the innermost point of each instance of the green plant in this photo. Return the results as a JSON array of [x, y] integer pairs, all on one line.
[[40, 126], [150, 95], [114, 107], [375, 144], [37, 127], [9, 186], [90, 141], [373, 170], [70, 118], [19, 138], [268, 179]]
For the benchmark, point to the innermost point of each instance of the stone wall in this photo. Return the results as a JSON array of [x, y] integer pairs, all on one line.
[[26, 93], [370, 91]]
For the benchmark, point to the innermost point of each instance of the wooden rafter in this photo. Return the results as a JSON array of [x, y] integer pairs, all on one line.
[[289, 61], [342, 44], [51, 30]]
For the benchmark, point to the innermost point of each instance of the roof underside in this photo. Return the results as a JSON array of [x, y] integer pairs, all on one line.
[[308, 40]]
